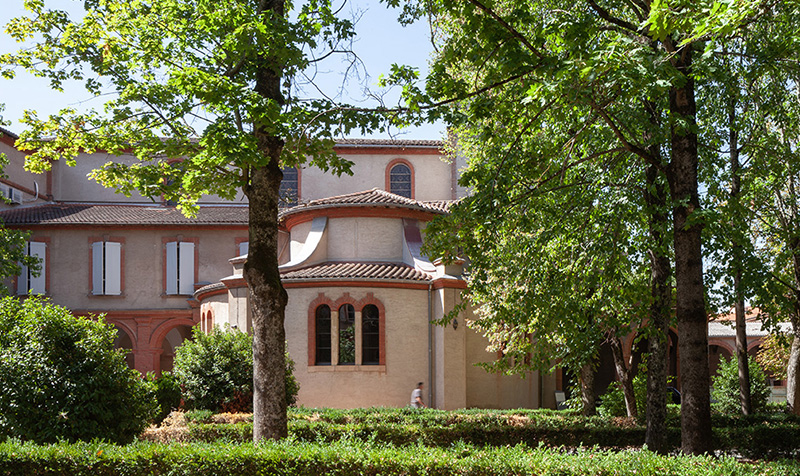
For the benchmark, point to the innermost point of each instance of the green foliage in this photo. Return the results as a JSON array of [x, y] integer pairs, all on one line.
[[726, 386], [773, 355], [612, 403], [216, 371], [167, 390], [60, 377], [352, 456]]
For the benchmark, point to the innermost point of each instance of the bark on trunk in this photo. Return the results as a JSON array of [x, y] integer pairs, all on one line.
[[690, 298], [267, 305], [660, 311], [624, 375], [267, 296], [741, 328], [792, 371], [587, 390]]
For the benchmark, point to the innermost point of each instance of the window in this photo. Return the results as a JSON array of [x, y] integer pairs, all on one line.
[[322, 320], [347, 335], [106, 268], [243, 248], [400, 180], [28, 282], [180, 262], [370, 335], [290, 187], [346, 332]]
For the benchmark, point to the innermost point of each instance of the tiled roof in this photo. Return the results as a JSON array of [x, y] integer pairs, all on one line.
[[370, 198], [389, 142], [356, 270], [88, 214], [6, 132]]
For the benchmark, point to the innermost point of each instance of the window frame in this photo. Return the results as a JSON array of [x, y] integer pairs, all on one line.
[[394, 163], [358, 307], [180, 291], [106, 239], [282, 199], [44, 275]]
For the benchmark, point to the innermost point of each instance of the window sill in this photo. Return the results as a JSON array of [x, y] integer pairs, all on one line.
[[346, 368], [106, 296]]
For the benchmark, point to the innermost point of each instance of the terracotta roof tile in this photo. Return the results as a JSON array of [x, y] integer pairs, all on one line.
[[357, 270], [374, 197], [88, 214], [389, 142]]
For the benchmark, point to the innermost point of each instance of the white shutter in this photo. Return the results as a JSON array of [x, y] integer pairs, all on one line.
[[37, 283], [97, 267], [243, 248], [22, 280], [172, 267], [186, 271], [113, 268]]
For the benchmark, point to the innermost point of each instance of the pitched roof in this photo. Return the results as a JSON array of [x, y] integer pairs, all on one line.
[[90, 214], [389, 142], [356, 270], [370, 198]]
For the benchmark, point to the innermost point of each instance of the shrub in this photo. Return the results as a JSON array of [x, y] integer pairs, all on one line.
[[60, 377], [167, 390], [216, 371], [726, 387]]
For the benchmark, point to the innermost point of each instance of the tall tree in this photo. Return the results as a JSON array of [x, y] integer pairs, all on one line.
[[603, 59], [216, 84]]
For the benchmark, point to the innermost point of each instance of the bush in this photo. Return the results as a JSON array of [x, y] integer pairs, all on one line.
[[726, 387], [167, 390], [216, 371], [61, 379]]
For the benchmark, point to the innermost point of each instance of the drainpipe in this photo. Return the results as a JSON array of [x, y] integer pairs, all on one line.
[[431, 403]]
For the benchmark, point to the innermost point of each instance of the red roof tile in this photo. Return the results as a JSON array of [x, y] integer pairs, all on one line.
[[87, 214], [389, 142], [357, 270], [370, 198]]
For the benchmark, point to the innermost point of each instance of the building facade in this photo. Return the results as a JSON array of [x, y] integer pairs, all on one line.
[[362, 297]]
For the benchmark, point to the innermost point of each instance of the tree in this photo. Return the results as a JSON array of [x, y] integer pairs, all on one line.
[[629, 73], [215, 83], [62, 379]]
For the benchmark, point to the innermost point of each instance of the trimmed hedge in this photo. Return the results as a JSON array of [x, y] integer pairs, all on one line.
[[351, 456], [759, 436]]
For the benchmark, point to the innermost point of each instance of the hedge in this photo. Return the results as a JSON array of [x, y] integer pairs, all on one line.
[[351, 456]]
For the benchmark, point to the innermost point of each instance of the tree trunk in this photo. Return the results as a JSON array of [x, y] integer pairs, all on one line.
[[587, 389], [660, 309], [690, 298], [267, 296], [624, 375], [792, 371], [741, 326]]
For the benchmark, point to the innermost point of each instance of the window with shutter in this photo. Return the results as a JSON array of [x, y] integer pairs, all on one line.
[[29, 282], [106, 268], [180, 276]]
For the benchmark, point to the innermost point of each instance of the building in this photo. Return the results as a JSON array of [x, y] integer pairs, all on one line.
[[361, 294]]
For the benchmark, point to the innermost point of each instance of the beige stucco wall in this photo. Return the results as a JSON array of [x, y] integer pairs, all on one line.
[[20, 179], [363, 386], [432, 176], [143, 254], [363, 238]]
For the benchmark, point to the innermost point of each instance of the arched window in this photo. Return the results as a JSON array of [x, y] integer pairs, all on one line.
[[289, 192], [370, 335], [347, 335], [322, 320], [400, 180]]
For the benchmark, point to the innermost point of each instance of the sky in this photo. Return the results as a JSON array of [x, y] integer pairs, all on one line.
[[381, 42]]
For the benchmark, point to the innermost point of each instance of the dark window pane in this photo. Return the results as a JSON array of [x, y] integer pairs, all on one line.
[[400, 180], [323, 335], [289, 185], [347, 335], [370, 335]]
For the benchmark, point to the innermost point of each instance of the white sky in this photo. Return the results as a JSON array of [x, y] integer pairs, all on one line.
[[381, 42]]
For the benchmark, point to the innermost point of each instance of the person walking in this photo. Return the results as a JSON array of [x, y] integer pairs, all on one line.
[[416, 397]]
